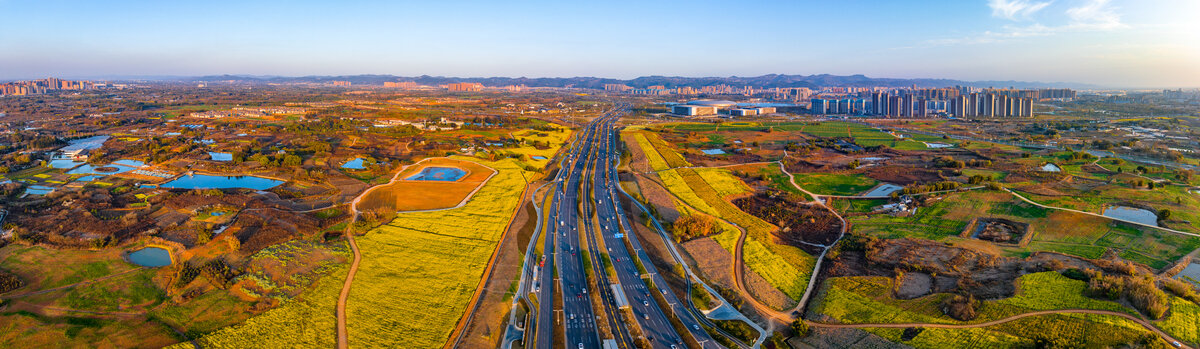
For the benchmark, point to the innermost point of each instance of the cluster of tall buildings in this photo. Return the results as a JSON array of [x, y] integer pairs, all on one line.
[[929, 102], [779, 93], [407, 85], [465, 87], [20, 88]]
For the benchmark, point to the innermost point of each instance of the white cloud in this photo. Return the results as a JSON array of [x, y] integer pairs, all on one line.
[[1086, 15], [1016, 9], [1095, 15]]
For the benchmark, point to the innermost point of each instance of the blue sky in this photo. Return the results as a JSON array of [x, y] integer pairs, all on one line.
[[1122, 43]]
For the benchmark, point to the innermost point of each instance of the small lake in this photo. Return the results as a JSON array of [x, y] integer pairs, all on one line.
[[130, 163], [356, 164], [93, 169], [1132, 214], [444, 174], [150, 257], [65, 163], [38, 190], [89, 178], [202, 181], [936, 145], [713, 151], [1192, 271], [884, 189], [538, 157], [1051, 168], [217, 156]]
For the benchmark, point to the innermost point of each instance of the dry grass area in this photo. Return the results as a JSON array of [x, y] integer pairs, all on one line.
[[764, 292], [406, 195], [713, 262]]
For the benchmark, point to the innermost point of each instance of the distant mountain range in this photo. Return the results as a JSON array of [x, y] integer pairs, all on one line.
[[764, 81]]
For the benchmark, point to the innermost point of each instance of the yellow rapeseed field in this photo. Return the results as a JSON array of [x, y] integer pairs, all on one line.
[[657, 163], [415, 279], [418, 272]]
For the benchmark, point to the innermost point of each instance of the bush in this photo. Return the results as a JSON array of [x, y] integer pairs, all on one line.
[[961, 308], [1075, 273], [800, 329]]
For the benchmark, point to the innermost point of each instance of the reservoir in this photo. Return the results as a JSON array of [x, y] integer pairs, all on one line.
[[356, 164], [1132, 214], [713, 152], [218, 156], [884, 189], [443, 174], [202, 181], [151, 257]]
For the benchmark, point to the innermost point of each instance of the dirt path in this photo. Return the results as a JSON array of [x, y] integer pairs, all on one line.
[[1136, 319]]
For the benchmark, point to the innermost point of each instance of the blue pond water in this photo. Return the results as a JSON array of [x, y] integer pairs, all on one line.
[[1135, 214], [221, 182], [64, 163], [713, 151], [217, 156], [38, 190], [151, 257], [89, 178], [91, 169], [130, 163], [356, 164], [538, 157], [445, 174]]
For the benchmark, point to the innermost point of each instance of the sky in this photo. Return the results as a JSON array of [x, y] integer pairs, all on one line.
[[1113, 43]]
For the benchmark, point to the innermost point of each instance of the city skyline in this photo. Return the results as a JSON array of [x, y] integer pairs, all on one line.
[[1120, 44]]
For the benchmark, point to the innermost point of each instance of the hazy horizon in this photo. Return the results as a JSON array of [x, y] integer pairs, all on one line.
[[1110, 43]]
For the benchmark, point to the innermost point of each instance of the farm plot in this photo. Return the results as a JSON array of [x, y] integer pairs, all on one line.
[[410, 195], [429, 260], [834, 184], [785, 267]]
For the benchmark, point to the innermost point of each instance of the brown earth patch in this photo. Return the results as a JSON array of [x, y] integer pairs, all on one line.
[[903, 175]]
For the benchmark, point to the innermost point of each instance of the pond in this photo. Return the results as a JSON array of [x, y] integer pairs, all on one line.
[[202, 181], [218, 156], [1132, 214], [883, 189], [1048, 167], [1190, 274], [108, 169], [874, 158], [38, 190], [356, 164], [89, 178], [151, 257], [64, 163], [537, 157], [936, 145], [713, 151], [130, 163], [443, 174]]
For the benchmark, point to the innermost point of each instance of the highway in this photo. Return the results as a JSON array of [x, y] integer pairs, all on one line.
[[562, 249], [606, 231], [615, 229]]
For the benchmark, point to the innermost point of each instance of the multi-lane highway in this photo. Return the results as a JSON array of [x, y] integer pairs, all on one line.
[[587, 185]]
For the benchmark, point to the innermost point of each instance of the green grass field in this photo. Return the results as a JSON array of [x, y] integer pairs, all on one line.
[[868, 300], [834, 184]]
